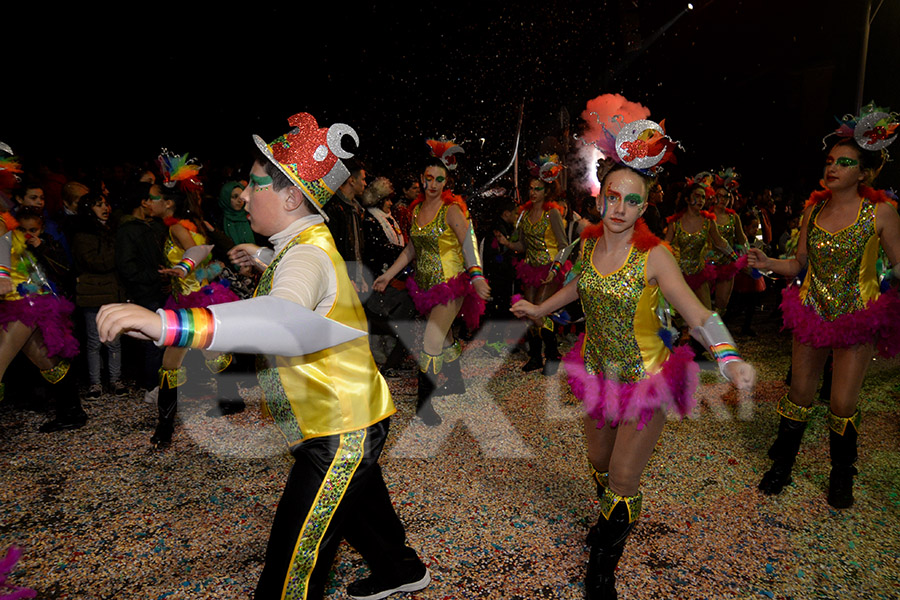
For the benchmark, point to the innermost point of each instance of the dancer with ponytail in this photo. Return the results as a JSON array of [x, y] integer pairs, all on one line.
[[625, 373], [839, 306], [448, 281]]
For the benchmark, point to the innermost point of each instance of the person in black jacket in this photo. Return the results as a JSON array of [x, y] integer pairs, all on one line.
[[139, 257], [344, 217]]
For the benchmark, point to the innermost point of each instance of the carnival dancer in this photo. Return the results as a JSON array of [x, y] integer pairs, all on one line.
[[320, 381], [37, 320], [541, 233], [448, 280], [692, 232], [727, 264], [622, 368], [838, 306], [193, 277]]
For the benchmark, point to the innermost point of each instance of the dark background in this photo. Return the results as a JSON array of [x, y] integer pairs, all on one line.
[[753, 84]]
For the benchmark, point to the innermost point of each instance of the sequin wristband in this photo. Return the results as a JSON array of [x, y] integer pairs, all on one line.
[[187, 264], [5, 271], [475, 271], [187, 327]]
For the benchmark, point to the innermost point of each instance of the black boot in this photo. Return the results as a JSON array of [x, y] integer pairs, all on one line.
[[784, 451], [843, 434], [451, 369], [535, 356], [607, 540], [69, 414], [427, 384], [551, 352], [228, 396], [167, 405]]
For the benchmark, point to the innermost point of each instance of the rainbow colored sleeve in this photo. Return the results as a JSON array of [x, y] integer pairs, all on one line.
[[188, 327]]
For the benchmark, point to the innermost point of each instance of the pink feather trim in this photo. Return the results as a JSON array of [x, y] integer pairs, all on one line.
[[730, 269], [458, 287], [9, 591], [534, 275], [213, 293], [670, 389], [49, 314], [695, 280], [878, 323]]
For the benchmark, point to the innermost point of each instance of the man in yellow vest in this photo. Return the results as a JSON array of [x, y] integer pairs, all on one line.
[[321, 384]]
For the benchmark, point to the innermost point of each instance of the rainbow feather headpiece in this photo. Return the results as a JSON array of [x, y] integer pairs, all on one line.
[[705, 180], [446, 151], [546, 167], [874, 128], [179, 169], [728, 179]]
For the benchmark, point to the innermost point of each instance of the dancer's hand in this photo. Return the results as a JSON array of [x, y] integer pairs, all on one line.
[[741, 374], [130, 319], [380, 284], [244, 255], [527, 310], [757, 259], [174, 272], [482, 288]]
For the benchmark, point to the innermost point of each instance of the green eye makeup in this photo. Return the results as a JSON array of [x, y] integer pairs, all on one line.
[[634, 199], [846, 161], [260, 182]]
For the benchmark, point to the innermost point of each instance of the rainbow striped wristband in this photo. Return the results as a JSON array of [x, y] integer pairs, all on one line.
[[475, 271], [5, 271], [187, 327], [187, 264]]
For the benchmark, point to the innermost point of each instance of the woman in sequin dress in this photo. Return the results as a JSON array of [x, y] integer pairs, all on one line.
[[622, 369], [839, 307], [541, 235], [730, 229], [193, 286], [448, 281], [692, 234]]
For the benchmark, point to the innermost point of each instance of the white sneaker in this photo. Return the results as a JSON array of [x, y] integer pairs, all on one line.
[[150, 396]]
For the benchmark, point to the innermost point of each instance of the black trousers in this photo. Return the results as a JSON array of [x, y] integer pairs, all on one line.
[[323, 503]]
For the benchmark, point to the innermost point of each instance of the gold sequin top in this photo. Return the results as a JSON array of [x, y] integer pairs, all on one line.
[[691, 248], [25, 270], [621, 338], [727, 230], [174, 254], [540, 243], [439, 256], [841, 277]]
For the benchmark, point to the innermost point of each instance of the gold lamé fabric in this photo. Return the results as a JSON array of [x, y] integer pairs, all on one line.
[[174, 254], [439, 256], [691, 248], [336, 390], [621, 338], [841, 277]]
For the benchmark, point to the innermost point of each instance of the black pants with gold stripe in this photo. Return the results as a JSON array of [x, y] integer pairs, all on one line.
[[335, 491]]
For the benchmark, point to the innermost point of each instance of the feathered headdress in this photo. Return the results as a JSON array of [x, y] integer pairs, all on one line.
[[546, 167], [446, 151], [624, 134], [728, 179], [873, 129], [10, 169], [705, 180], [177, 169]]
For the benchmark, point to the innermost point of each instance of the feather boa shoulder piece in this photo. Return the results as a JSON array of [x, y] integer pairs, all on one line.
[[641, 238], [872, 195], [448, 198]]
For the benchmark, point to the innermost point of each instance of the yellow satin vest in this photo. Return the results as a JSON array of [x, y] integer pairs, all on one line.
[[333, 391]]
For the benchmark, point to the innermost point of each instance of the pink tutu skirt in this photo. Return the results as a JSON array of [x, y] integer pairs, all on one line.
[[725, 271], [670, 389], [213, 293], [49, 314], [443, 293], [696, 280], [534, 275], [878, 323]]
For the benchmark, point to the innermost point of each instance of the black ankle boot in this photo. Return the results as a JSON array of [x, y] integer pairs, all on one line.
[[607, 540], [535, 354], [69, 414], [551, 352], [424, 409], [167, 406], [843, 436], [786, 446], [451, 369]]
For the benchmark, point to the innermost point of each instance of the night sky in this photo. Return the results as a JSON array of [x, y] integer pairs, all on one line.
[[753, 84]]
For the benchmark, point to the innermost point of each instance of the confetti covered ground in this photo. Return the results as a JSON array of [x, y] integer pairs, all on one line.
[[497, 501]]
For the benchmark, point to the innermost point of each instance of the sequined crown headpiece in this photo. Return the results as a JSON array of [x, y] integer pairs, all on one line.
[[310, 157], [445, 150], [873, 129], [546, 167], [178, 169]]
